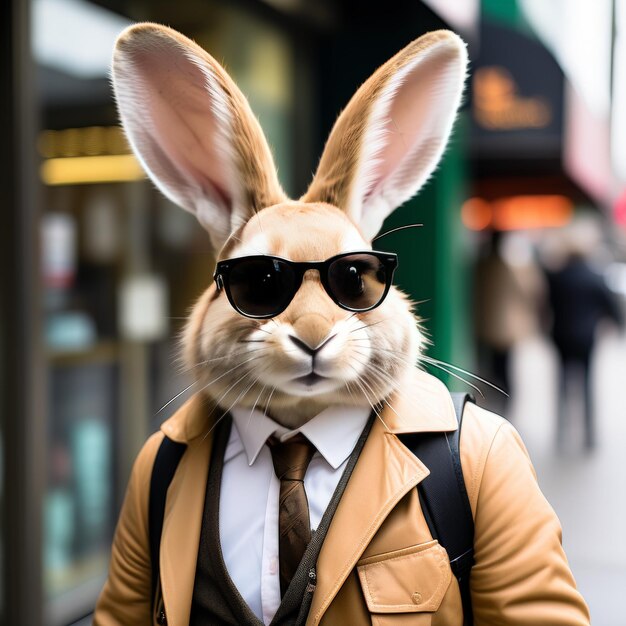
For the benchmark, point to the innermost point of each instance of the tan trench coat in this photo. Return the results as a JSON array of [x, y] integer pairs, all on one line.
[[379, 564]]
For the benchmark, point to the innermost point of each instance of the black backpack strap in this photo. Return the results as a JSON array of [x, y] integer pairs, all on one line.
[[444, 499], [163, 470]]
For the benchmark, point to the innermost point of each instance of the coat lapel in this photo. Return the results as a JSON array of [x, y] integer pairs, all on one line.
[[183, 509], [385, 472]]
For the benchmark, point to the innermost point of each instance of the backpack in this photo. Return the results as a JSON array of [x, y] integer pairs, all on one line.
[[442, 495]]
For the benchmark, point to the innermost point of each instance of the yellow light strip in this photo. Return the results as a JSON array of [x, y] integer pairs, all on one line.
[[115, 168]]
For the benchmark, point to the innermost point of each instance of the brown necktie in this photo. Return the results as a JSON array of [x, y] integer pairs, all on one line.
[[291, 459]]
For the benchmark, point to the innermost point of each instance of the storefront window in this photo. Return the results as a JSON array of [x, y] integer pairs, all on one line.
[[120, 267]]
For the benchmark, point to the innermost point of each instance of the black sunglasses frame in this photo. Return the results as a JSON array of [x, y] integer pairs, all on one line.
[[222, 271]]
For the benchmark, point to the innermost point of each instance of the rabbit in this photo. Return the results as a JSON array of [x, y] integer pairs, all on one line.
[[302, 317], [198, 140]]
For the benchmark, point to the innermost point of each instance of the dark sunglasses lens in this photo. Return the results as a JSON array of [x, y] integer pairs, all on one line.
[[358, 281], [261, 287]]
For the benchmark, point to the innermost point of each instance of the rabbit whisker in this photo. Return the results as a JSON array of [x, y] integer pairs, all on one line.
[[389, 405], [386, 378], [232, 369], [370, 364], [430, 361], [451, 373], [394, 354], [267, 409], [370, 388], [395, 230], [440, 364], [363, 354], [360, 382], [242, 393], [254, 406], [364, 393], [363, 326], [347, 386], [434, 361], [180, 393], [227, 356], [217, 402]]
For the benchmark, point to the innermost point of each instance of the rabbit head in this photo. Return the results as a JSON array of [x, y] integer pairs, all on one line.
[[199, 142]]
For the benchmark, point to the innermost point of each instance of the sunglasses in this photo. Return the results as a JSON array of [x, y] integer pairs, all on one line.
[[262, 286]]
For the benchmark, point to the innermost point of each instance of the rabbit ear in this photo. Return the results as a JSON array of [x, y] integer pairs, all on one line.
[[390, 137], [192, 129]]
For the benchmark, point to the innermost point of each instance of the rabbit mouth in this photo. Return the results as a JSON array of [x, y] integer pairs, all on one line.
[[310, 379]]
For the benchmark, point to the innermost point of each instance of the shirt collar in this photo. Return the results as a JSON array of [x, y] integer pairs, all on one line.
[[334, 432]]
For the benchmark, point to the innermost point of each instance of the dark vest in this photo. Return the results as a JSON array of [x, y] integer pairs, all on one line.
[[216, 600]]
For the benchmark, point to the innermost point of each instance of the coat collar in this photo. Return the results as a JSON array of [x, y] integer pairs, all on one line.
[[386, 471], [422, 404]]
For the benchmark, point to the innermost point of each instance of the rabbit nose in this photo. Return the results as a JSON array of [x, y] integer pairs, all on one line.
[[306, 348]]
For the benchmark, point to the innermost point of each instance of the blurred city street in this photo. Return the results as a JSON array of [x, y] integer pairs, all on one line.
[[586, 489], [514, 250]]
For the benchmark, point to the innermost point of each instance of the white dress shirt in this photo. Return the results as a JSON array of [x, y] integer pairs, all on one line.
[[249, 521]]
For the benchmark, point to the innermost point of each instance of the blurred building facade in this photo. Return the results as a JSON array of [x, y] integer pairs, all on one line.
[[99, 270]]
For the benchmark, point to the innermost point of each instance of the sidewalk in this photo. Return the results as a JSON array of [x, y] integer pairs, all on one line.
[[588, 491]]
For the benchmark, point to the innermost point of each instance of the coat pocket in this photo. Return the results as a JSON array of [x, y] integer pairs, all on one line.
[[405, 586]]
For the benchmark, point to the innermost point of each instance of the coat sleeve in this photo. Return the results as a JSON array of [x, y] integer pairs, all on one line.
[[521, 575], [125, 598]]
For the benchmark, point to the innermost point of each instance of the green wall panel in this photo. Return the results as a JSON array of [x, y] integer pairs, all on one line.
[[506, 12]]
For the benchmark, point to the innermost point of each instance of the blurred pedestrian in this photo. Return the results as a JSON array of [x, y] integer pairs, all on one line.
[[509, 290], [580, 299]]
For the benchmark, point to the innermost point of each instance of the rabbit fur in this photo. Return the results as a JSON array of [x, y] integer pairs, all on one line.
[[200, 143]]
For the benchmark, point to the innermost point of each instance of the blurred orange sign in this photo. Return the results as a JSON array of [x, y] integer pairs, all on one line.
[[517, 212]]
